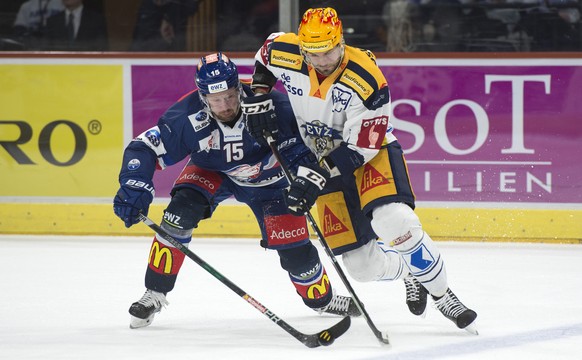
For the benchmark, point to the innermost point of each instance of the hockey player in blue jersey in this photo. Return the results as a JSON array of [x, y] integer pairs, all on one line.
[[207, 125]]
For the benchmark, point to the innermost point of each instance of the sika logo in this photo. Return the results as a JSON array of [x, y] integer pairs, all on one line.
[[371, 179], [331, 224]]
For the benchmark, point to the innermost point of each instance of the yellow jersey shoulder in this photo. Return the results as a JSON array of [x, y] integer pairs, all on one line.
[[284, 52], [361, 73], [289, 38]]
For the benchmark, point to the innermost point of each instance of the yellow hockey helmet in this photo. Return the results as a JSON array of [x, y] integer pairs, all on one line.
[[320, 30]]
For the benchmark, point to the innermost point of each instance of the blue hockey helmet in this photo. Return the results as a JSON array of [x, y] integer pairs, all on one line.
[[216, 73]]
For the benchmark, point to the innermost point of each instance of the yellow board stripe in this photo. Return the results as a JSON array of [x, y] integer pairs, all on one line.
[[458, 224], [513, 225], [98, 219]]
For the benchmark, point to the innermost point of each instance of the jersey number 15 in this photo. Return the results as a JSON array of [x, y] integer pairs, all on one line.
[[234, 151]]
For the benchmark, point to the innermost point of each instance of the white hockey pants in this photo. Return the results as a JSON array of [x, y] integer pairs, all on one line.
[[403, 248]]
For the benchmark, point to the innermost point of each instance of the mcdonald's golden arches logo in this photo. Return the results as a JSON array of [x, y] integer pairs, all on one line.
[[159, 253], [317, 290]]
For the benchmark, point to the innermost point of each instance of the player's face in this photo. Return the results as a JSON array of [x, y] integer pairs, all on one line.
[[224, 105], [325, 62]]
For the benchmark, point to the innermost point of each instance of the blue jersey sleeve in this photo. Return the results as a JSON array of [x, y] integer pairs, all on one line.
[[162, 145], [139, 163]]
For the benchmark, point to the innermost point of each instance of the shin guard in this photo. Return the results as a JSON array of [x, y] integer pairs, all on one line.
[[313, 286], [398, 225], [164, 263]]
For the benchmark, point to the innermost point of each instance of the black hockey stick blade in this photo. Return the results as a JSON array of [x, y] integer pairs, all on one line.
[[325, 337]]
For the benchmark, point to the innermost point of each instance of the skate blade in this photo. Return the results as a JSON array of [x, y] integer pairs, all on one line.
[[472, 329], [137, 323]]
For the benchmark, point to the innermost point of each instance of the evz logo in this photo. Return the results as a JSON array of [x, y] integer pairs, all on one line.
[[318, 129], [340, 99], [321, 136]]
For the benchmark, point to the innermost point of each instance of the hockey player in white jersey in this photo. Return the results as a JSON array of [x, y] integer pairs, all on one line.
[[341, 101], [207, 126]]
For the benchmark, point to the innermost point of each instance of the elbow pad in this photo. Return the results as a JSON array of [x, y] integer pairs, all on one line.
[[342, 160], [262, 78]]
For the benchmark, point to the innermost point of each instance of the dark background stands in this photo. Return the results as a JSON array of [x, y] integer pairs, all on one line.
[[90, 36], [161, 25], [242, 25]]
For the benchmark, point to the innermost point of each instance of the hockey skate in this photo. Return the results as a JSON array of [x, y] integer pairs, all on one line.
[[416, 296], [340, 305], [453, 309], [143, 311]]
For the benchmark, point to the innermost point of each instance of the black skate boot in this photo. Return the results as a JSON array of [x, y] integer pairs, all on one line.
[[340, 305], [453, 309], [143, 311], [416, 296]]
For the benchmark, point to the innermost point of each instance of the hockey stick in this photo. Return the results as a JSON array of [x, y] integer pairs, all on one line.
[[382, 337], [325, 337]]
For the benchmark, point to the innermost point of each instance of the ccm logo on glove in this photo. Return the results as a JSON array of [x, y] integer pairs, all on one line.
[[260, 117], [258, 107]]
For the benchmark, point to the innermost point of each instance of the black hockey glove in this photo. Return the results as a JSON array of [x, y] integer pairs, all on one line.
[[132, 198], [260, 117], [305, 189]]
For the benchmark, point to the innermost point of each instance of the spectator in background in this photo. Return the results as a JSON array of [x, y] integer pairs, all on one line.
[[485, 28], [402, 31], [161, 25], [29, 25], [554, 25], [77, 28], [422, 25], [255, 20]]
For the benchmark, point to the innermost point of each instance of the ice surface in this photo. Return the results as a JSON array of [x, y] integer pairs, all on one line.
[[67, 298]]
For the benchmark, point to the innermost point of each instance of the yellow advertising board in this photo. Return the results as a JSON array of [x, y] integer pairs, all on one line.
[[63, 122], [61, 129]]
